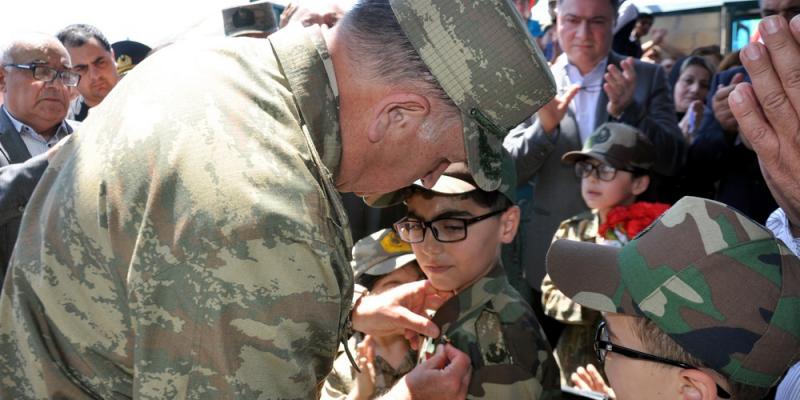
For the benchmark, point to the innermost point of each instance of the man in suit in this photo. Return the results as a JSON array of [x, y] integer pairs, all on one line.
[[93, 58], [35, 79], [596, 85]]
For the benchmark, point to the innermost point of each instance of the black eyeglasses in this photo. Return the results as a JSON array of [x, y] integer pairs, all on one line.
[[603, 171], [602, 346], [47, 74], [445, 230]]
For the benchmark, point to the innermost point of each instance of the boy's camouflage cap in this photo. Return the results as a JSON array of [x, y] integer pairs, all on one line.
[[621, 146], [722, 286], [456, 179], [380, 253], [486, 61], [249, 19]]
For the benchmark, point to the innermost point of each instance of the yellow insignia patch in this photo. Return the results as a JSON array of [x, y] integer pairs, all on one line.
[[392, 244]]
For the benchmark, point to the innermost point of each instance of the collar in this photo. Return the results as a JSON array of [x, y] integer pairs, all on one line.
[[471, 300], [308, 67], [20, 126], [592, 225], [597, 71]]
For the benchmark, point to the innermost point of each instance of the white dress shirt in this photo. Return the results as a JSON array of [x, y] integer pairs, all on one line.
[[584, 105], [35, 142]]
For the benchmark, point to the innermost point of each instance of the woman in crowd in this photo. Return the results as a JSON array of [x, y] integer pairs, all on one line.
[[690, 92]]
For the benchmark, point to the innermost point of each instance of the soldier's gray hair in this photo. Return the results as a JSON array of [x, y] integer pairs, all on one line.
[[374, 38]]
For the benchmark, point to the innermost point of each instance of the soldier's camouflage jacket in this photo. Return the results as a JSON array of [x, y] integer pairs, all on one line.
[[342, 379], [510, 356], [188, 243], [575, 346]]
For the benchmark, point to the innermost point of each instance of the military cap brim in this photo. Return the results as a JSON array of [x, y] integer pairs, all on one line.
[[484, 58], [457, 179]]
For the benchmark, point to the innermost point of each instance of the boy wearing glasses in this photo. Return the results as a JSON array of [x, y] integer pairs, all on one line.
[[456, 231], [703, 304], [613, 167]]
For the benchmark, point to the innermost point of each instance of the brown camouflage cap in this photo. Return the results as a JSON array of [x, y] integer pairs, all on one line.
[[456, 179], [730, 297], [486, 61], [380, 253], [250, 19], [621, 146]]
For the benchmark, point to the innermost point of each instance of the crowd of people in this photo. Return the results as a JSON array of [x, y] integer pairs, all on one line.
[[571, 214]]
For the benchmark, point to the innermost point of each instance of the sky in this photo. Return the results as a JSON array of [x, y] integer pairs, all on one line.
[[151, 22]]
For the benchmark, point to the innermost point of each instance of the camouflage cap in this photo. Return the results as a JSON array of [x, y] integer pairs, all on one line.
[[253, 19], [380, 253], [456, 179], [621, 146], [483, 56], [730, 297]]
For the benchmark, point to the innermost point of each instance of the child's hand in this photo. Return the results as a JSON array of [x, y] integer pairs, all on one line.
[[365, 380], [589, 378]]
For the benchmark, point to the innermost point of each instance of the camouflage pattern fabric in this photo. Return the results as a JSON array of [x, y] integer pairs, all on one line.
[[187, 244], [730, 296], [575, 346], [618, 145], [486, 61], [342, 379], [511, 358]]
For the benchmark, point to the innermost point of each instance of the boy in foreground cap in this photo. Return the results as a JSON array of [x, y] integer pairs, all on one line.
[[381, 261], [704, 304], [456, 230], [613, 167]]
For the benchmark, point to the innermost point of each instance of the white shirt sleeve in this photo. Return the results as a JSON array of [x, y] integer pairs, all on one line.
[[789, 388], [778, 223]]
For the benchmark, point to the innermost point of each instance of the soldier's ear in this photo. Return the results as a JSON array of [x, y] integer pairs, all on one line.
[[509, 222], [398, 114]]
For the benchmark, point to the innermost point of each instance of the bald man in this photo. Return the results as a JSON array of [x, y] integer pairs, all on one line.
[[35, 80]]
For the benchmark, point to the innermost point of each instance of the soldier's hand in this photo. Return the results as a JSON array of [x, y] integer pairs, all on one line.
[[619, 87], [446, 375], [400, 310], [768, 111], [551, 114], [719, 104]]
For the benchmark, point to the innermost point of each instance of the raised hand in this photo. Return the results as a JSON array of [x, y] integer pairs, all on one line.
[[768, 111], [619, 87]]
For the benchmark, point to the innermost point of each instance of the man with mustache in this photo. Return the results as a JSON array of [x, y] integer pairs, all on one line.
[[35, 79]]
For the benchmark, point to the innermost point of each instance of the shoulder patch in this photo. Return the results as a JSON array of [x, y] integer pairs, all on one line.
[[489, 331]]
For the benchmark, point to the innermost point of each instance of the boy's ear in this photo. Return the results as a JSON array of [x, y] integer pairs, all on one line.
[[397, 113], [640, 184], [697, 385], [509, 222]]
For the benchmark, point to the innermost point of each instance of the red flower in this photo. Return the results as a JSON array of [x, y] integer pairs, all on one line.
[[630, 220]]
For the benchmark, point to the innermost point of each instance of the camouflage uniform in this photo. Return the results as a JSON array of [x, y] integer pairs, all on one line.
[[343, 377], [224, 200], [574, 348], [511, 358], [190, 242], [730, 297]]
